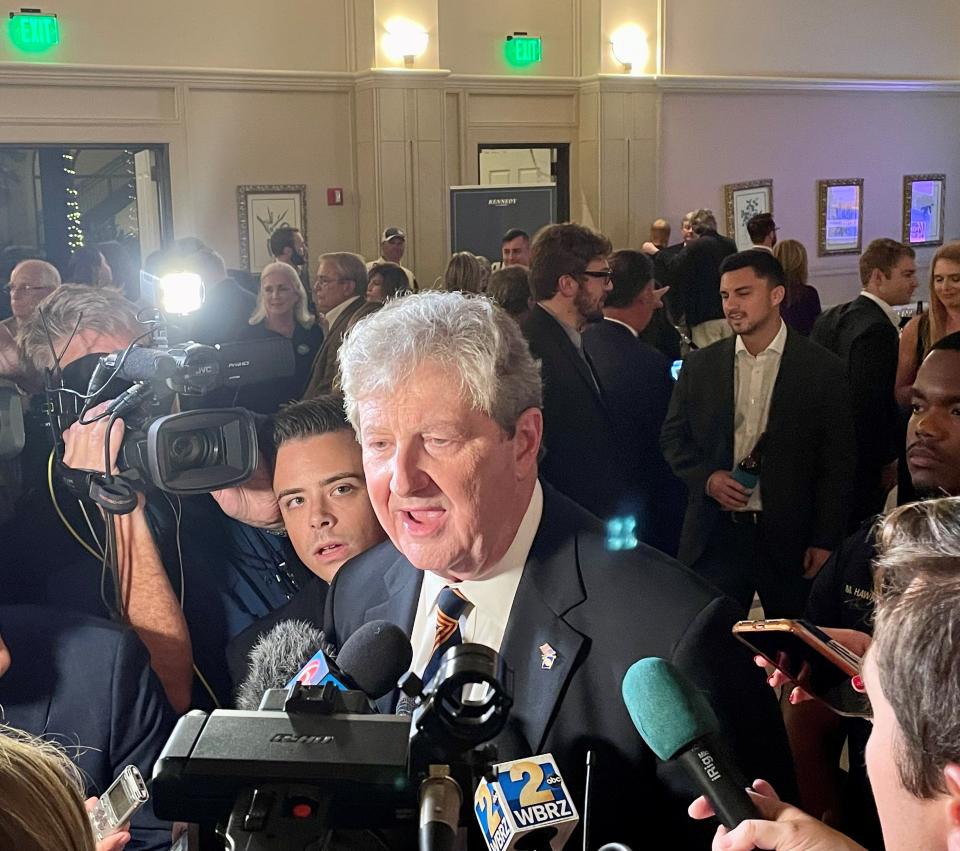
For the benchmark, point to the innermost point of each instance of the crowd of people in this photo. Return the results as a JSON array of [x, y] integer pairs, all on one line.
[[593, 455]]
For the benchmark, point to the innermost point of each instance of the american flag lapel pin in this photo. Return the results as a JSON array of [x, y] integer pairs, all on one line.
[[547, 656]]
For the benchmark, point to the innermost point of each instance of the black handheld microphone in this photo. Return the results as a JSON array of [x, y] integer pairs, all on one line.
[[677, 723]]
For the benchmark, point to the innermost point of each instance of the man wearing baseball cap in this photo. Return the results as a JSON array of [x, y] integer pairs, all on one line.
[[393, 242]]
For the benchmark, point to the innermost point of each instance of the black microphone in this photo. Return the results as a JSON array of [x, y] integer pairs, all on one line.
[[276, 658], [374, 658], [143, 364], [677, 723], [440, 800]]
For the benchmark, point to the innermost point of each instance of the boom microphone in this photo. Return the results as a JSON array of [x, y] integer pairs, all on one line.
[[677, 723], [276, 657]]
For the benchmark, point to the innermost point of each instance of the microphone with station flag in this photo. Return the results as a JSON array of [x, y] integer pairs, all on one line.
[[276, 657], [677, 723], [524, 804]]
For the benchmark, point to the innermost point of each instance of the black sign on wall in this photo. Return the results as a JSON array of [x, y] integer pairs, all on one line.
[[481, 215]]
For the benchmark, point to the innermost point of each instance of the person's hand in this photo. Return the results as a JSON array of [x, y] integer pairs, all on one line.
[[649, 248], [813, 559], [726, 490], [252, 502], [780, 828], [115, 841], [854, 640], [84, 444]]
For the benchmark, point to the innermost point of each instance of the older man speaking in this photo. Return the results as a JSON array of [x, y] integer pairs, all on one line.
[[445, 397]]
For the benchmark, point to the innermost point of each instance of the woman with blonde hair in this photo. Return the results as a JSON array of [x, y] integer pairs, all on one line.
[[463, 274], [42, 799], [801, 304], [931, 326], [282, 311]]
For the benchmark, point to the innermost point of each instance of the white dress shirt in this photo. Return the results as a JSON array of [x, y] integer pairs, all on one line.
[[492, 599], [333, 314], [624, 324], [754, 379], [892, 315]]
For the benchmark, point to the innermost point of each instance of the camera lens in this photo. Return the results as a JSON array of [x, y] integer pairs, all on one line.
[[191, 450]]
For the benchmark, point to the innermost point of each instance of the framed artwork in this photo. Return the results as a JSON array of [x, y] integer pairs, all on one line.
[[923, 196], [840, 216], [742, 202], [263, 209]]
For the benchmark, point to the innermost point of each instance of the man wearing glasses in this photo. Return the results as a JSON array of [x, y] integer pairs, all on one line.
[[30, 282], [339, 293], [570, 279]]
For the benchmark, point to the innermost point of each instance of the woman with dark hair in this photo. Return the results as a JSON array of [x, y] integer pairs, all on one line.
[[282, 312], [931, 326], [88, 266], [386, 281], [801, 305]]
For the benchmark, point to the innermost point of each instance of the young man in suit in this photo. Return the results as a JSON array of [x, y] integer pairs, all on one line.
[[766, 381], [339, 293], [570, 280], [637, 385], [446, 399], [865, 334]]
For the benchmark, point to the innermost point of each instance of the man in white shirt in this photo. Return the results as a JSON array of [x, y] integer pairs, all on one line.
[[864, 333], [766, 381], [446, 400], [393, 242]]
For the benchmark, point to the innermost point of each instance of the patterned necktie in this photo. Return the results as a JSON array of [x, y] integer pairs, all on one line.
[[451, 606]]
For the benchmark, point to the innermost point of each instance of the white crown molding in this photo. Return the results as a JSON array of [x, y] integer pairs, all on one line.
[[672, 82]]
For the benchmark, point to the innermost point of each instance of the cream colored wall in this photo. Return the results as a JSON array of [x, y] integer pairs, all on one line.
[[797, 138], [813, 38]]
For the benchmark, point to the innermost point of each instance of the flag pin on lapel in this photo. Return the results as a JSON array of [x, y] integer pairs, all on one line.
[[547, 656]]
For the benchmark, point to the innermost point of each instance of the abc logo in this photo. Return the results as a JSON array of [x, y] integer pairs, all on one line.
[[554, 780]]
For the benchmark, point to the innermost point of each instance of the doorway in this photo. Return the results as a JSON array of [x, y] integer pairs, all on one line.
[[519, 163]]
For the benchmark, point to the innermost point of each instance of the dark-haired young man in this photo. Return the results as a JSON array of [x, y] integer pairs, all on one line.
[[515, 248], [570, 280], [770, 381], [321, 490], [288, 246], [864, 334], [763, 231], [637, 385]]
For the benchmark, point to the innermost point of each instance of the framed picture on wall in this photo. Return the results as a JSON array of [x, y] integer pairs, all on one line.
[[263, 209], [840, 216], [923, 196], [742, 202]]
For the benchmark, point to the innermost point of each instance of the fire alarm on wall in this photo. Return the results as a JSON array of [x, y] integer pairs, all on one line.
[[335, 197]]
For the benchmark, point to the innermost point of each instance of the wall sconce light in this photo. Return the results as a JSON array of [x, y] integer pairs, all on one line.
[[630, 48], [404, 40]]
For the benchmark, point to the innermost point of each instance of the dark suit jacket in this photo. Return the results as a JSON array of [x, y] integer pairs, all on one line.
[[808, 455], [323, 375], [637, 386], [860, 333], [582, 455], [88, 682], [601, 611], [695, 273]]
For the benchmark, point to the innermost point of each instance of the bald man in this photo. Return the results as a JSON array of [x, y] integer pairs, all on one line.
[[660, 233], [30, 282]]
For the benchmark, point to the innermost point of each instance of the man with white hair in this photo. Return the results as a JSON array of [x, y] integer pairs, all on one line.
[[30, 282], [446, 399]]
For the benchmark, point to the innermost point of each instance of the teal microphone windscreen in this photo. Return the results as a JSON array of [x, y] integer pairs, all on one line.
[[665, 707]]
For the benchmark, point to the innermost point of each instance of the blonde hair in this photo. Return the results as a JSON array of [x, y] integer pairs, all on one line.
[[937, 329], [42, 795], [793, 257], [464, 273], [300, 312]]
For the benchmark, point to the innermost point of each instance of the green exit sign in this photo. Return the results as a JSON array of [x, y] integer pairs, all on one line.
[[33, 32], [522, 50]]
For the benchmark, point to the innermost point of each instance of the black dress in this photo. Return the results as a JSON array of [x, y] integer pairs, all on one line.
[[267, 396]]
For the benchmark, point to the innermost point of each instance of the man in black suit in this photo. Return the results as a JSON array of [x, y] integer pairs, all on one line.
[[339, 293], [447, 402], [767, 381], [694, 273], [637, 386], [865, 334], [87, 684], [570, 279]]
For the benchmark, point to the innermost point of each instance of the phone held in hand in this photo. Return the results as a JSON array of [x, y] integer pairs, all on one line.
[[124, 797], [810, 659]]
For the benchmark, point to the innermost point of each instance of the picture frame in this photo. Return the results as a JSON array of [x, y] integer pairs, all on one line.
[[742, 201], [839, 216], [261, 209], [923, 197]]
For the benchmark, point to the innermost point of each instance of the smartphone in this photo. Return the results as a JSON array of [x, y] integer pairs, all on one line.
[[810, 659], [124, 797]]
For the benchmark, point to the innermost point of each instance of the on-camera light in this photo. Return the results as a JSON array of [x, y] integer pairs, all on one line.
[[180, 293]]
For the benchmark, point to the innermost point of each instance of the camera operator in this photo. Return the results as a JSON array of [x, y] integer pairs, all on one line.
[[912, 676]]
